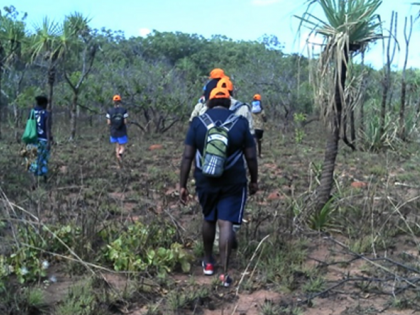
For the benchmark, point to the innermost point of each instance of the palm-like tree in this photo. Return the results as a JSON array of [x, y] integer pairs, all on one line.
[[48, 45], [348, 28], [80, 52]]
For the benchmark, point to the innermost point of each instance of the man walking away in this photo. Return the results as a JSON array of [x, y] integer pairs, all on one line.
[[117, 121], [259, 118], [39, 167], [222, 197]]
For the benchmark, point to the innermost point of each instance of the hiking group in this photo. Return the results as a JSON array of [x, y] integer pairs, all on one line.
[[222, 140]]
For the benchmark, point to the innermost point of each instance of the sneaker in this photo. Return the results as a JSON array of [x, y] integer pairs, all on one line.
[[226, 280], [208, 268]]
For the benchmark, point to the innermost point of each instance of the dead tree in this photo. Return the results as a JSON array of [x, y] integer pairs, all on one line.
[[407, 38]]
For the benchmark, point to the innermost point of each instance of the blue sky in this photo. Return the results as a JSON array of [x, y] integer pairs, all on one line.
[[236, 19]]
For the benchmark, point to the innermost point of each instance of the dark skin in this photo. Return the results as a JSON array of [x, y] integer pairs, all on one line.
[[209, 227]]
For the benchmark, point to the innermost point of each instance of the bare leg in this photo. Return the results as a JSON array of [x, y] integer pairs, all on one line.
[[121, 149], [208, 231], [226, 239], [117, 149], [117, 152]]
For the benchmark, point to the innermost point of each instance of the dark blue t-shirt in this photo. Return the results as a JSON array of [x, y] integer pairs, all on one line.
[[239, 139], [118, 128], [41, 116]]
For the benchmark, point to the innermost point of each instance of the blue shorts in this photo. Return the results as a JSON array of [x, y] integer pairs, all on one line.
[[223, 203], [119, 140]]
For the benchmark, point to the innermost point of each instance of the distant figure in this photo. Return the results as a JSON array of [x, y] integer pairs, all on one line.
[[259, 118], [117, 121], [39, 166], [221, 197]]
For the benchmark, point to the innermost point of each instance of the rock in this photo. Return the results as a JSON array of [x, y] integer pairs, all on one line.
[[63, 169], [274, 196], [358, 184], [155, 147]]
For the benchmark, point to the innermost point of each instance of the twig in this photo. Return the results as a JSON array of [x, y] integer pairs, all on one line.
[[372, 262], [249, 263]]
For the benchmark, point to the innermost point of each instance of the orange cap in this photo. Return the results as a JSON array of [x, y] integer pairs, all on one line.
[[217, 73], [225, 83], [116, 98], [219, 92], [257, 97]]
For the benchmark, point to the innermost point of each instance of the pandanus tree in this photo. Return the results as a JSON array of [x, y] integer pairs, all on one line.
[[48, 46], [349, 26], [79, 54]]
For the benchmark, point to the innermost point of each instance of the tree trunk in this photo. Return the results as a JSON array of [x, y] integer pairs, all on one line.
[[407, 37], [352, 128], [402, 109], [344, 123], [386, 83], [327, 175], [51, 81], [73, 116], [17, 117], [333, 137]]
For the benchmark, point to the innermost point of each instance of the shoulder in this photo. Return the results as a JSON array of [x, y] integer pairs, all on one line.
[[242, 121], [195, 122]]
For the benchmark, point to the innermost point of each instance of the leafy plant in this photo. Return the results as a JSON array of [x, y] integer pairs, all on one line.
[[147, 247], [319, 220], [79, 300], [314, 285], [299, 118]]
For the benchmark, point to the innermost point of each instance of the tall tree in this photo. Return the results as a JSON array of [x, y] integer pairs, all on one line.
[[79, 54], [408, 30], [349, 27], [386, 80], [48, 45], [12, 35]]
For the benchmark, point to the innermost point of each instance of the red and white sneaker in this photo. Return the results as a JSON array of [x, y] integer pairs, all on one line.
[[226, 280], [208, 268]]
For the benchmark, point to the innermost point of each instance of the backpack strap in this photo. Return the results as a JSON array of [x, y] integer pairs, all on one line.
[[239, 104], [230, 122], [206, 120], [233, 159]]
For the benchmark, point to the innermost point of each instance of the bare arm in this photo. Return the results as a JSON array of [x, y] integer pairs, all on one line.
[[186, 162], [251, 160]]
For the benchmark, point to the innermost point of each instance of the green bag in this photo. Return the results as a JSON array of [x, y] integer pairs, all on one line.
[[214, 160], [31, 134]]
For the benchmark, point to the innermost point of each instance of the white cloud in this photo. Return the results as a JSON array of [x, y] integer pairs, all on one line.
[[264, 2], [143, 32]]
